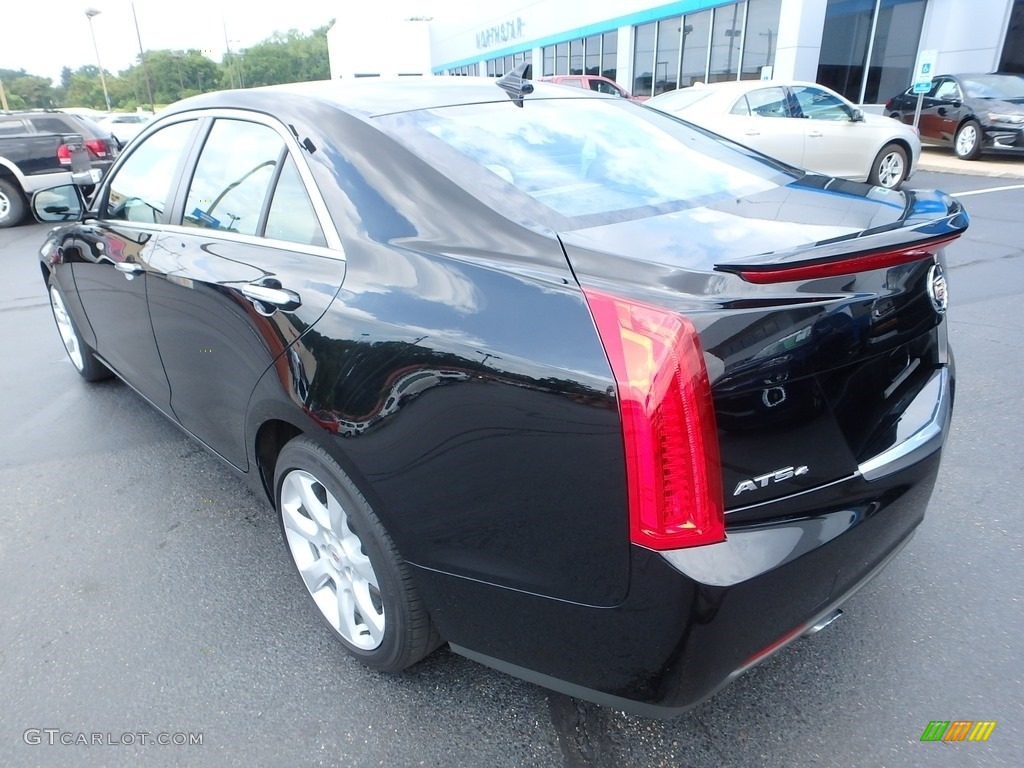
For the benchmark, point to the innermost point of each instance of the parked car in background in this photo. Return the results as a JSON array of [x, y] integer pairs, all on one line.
[[803, 124], [971, 113], [124, 126], [34, 158], [598, 398], [596, 83], [99, 143]]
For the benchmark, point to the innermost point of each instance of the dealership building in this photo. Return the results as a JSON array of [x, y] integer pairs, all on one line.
[[864, 49]]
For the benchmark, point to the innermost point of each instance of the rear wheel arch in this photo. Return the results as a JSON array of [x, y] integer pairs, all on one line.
[[271, 438]]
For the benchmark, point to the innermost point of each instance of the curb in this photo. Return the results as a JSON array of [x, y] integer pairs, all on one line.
[[942, 160]]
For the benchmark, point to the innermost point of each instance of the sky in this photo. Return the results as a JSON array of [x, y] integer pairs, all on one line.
[[41, 36]]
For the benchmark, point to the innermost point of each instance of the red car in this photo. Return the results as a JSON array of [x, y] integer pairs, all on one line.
[[594, 83]]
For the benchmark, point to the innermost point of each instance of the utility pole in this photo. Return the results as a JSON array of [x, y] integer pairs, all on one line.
[[142, 59]]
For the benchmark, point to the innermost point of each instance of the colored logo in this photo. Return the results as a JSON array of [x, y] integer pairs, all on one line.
[[958, 730]]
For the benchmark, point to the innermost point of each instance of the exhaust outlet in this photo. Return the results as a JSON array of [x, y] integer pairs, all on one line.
[[823, 622]]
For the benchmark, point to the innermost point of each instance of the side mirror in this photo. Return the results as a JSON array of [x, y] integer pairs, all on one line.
[[857, 116], [956, 103], [58, 204]]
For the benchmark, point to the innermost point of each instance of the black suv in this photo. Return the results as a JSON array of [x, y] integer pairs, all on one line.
[[100, 145]]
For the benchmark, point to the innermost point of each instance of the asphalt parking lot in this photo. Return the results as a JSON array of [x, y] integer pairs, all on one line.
[[146, 591]]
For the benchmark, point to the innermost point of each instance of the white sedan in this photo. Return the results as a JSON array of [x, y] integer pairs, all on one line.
[[802, 124], [124, 126]]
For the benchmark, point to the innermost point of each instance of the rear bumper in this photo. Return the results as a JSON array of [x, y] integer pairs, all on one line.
[[695, 619]]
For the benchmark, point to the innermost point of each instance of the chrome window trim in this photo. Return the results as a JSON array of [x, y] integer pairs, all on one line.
[[338, 254]]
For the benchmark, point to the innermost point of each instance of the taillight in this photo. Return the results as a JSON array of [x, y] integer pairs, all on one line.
[[97, 146], [783, 273], [64, 154], [673, 473]]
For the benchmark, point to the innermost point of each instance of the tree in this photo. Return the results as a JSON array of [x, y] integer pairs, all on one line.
[[30, 90], [289, 57]]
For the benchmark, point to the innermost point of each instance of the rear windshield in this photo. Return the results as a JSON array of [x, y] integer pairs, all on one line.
[[583, 157]]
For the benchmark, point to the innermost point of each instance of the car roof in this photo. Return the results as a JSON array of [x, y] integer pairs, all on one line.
[[377, 96]]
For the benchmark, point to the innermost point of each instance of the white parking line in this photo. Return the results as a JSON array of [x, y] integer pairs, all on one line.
[[983, 191]]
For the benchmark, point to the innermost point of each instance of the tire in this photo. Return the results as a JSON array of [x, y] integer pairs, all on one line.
[[967, 142], [347, 562], [12, 204], [889, 168], [81, 354]]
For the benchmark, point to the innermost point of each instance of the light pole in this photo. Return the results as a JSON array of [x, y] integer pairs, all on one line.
[[89, 13]]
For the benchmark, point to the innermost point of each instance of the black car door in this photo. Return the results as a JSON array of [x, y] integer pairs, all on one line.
[[251, 263], [112, 253]]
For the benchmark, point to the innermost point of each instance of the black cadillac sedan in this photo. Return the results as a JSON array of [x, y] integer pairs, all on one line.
[[593, 396]]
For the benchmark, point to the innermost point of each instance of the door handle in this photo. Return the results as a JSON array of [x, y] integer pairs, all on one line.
[[268, 296], [129, 268]]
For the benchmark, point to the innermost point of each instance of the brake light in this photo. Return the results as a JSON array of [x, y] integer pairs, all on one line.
[[673, 472], [781, 273], [64, 154], [97, 146]]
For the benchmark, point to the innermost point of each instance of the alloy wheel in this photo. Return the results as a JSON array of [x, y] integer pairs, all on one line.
[[965, 140], [891, 170], [331, 561]]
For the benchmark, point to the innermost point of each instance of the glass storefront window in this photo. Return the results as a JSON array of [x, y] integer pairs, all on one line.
[[694, 62], [846, 42], [761, 37], [576, 57], [562, 59], [549, 60], [643, 58], [592, 55], [1013, 47], [666, 63], [726, 42], [609, 52]]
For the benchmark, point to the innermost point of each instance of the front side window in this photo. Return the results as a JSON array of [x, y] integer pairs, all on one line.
[[234, 172], [139, 189], [947, 91], [602, 87], [817, 104]]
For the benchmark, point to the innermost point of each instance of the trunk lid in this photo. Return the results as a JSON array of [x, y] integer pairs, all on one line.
[[820, 309]]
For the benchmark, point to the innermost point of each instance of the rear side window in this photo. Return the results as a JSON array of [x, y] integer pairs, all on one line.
[[235, 170], [764, 102], [52, 125], [291, 215], [139, 189], [11, 128]]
